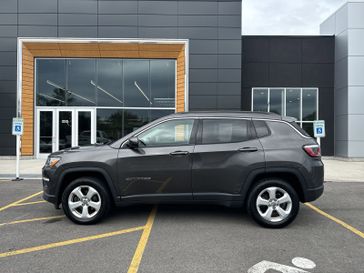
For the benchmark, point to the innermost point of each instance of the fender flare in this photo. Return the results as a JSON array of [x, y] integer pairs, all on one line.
[[108, 180], [271, 170]]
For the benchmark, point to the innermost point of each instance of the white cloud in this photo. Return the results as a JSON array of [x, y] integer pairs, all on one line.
[[265, 17]]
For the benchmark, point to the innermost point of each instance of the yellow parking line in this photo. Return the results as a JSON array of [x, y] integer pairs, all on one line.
[[336, 220], [134, 265], [19, 201], [32, 220], [69, 242], [30, 203]]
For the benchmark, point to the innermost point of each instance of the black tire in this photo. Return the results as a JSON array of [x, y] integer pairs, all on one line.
[[102, 196], [259, 189]]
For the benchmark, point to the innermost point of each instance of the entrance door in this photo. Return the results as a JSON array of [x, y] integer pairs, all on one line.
[[46, 132], [64, 128]]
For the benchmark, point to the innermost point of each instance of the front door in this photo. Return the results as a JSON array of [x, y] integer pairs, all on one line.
[[64, 128], [161, 166]]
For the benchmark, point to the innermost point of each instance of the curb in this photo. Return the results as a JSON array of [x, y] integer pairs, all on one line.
[[344, 181]]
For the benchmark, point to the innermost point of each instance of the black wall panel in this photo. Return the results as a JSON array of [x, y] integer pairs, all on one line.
[[213, 28], [292, 61]]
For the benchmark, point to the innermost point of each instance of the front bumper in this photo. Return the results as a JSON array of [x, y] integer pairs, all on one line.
[[49, 185], [50, 198]]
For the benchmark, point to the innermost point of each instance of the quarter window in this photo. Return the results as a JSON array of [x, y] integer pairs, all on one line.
[[224, 131], [169, 133]]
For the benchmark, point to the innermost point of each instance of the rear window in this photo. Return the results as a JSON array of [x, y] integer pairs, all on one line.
[[216, 131]]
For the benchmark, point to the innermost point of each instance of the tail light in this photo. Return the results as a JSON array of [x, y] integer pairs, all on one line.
[[312, 150]]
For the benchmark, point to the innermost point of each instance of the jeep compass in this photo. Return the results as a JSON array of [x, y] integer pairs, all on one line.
[[260, 161]]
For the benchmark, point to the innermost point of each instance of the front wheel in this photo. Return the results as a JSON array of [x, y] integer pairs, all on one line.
[[85, 201], [273, 203]]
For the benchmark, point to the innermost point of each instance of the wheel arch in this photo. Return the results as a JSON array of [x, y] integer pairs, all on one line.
[[68, 175], [291, 176]]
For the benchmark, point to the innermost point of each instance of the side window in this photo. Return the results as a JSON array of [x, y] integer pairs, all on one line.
[[281, 129], [169, 133], [216, 131], [261, 128]]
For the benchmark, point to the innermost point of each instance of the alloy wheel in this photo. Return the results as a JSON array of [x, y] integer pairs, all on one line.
[[274, 204], [84, 202]]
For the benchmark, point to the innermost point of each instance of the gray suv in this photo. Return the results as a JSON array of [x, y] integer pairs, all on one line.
[[260, 161]]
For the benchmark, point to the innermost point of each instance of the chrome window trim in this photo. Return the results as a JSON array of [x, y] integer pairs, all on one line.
[[283, 121], [190, 117]]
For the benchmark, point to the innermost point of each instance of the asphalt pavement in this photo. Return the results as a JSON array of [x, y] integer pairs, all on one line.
[[326, 237]]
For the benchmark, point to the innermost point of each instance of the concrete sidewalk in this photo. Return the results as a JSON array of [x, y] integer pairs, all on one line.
[[335, 169]]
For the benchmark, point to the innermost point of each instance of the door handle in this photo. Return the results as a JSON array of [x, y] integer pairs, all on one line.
[[248, 149], [177, 153]]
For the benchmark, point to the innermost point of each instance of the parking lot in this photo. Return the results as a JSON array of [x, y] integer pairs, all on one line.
[[34, 237]]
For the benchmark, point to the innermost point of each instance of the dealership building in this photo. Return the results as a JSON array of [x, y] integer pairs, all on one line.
[[89, 71]]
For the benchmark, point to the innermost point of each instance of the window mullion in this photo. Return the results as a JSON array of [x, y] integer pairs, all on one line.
[[301, 90]]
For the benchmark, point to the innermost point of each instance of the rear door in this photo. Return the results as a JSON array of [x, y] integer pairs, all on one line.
[[225, 153]]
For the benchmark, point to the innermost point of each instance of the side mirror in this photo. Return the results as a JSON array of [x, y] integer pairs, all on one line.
[[133, 143]]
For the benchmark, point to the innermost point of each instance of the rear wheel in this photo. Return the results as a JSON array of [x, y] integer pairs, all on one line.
[[85, 201], [273, 203]]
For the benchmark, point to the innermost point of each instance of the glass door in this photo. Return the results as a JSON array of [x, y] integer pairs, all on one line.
[[46, 132], [59, 129], [65, 130]]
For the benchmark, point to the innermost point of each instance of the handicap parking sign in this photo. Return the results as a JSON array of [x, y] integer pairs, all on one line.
[[17, 126], [319, 128]]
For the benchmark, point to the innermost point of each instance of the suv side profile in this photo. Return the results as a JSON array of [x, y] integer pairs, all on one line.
[[261, 161]]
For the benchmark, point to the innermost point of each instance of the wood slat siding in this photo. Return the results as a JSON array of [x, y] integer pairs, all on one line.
[[90, 50]]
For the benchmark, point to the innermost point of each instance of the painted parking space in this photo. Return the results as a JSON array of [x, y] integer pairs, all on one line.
[[180, 238]]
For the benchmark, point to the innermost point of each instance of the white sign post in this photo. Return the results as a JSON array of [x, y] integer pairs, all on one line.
[[319, 130], [17, 130]]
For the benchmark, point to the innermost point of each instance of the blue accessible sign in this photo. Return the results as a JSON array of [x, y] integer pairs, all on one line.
[[319, 128], [17, 126]]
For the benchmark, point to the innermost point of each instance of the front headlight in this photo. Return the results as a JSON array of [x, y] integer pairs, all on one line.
[[52, 161]]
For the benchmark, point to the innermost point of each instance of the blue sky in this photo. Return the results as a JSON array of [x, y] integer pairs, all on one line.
[[286, 16]]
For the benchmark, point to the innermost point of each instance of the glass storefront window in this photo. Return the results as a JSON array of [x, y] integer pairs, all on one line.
[[300, 103], [50, 82], [293, 102], [80, 91], [109, 125], [106, 82], [162, 80], [260, 99], [84, 128], [136, 83], [309, 104], [109, 85], [89, 100], [276, 100], [133, 119], [113, 124]]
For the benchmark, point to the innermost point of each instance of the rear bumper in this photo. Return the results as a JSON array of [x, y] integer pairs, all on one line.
[[313, 193]]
